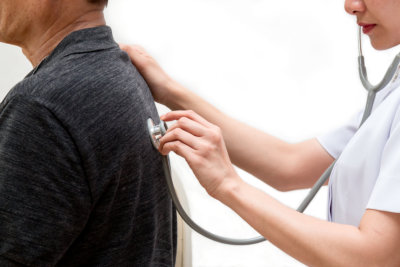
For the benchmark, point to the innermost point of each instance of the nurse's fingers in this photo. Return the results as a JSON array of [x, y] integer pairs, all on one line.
[[138, 55], [190, 126], [176, 115], [179, 135], [180, 149]]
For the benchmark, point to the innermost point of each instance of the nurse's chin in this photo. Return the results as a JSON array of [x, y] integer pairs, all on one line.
[[379, 44]]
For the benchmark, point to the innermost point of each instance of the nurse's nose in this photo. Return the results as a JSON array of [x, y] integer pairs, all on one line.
[[354, 7]]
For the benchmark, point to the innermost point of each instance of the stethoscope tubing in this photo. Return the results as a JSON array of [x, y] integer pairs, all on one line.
[[226, 240], [372, 90]]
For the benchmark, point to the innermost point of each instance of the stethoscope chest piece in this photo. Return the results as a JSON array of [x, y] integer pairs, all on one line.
[[156, 132]]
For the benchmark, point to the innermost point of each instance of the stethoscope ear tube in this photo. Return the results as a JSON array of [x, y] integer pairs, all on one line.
[[362, 70], [390, 73]]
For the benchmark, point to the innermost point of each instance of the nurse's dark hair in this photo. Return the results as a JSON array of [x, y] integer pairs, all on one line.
[[105, 2]]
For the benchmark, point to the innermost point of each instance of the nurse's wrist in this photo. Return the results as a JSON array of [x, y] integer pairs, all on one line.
[[229, 190], [178, 97]]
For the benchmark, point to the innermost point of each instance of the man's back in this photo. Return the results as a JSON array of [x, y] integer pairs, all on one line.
[[80, 183]]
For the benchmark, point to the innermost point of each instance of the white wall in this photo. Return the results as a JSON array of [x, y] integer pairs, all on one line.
[[286, 67], [13, 67]]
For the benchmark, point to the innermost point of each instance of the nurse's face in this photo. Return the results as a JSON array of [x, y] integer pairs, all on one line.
[[380, 20]]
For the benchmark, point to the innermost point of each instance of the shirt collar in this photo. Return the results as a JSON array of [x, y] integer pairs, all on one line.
[[81, 41], [392, 85], [395, 82]]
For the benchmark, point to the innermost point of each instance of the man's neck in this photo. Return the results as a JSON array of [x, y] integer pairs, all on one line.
[[37, 49]]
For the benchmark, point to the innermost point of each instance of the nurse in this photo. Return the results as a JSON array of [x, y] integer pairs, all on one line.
[[364, 188]]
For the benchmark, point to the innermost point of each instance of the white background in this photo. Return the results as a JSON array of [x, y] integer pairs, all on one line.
[[286, 67]]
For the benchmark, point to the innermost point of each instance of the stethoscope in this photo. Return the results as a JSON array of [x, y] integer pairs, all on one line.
[[157, 131]]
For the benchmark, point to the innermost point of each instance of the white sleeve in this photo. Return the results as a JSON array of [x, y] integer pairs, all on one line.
[[335, 141], [386, 193]]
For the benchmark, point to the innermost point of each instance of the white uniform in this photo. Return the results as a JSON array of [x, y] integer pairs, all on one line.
[[367, 172]]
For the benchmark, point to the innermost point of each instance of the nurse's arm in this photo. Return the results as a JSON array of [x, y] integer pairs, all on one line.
[[316, 242], [283, 165], [312, 241]]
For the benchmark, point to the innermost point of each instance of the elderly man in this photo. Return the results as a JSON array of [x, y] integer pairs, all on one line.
[[80, 184]]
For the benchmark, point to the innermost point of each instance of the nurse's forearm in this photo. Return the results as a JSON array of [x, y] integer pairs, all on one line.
[[282, 165], [310, 240]]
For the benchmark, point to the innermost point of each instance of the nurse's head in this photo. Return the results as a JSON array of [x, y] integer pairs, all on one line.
[[380, 20]]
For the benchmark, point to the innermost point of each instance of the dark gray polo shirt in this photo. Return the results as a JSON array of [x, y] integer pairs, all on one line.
[[80, 183]]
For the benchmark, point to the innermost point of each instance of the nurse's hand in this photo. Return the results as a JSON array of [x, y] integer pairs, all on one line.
[[162, 86], [202, 145]]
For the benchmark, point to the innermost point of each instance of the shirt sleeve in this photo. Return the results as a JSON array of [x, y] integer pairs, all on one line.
[[44, 195], [385, 195], [335, 141]]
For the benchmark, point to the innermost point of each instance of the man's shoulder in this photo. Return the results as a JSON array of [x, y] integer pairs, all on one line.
[[98, 70], [89, 92], [100, 75]]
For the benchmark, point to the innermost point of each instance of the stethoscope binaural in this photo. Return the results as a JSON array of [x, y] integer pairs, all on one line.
[[157, 131]]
